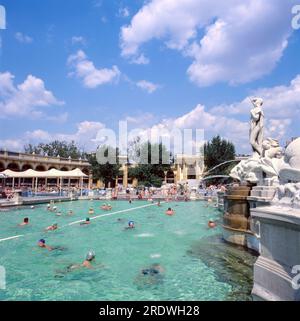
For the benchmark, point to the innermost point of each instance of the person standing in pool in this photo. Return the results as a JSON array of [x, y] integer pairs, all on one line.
[[25, 222]]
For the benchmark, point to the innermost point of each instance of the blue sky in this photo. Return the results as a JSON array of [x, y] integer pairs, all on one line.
[[70, 68]]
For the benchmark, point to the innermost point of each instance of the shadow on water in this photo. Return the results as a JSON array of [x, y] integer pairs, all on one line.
[[231, 264]]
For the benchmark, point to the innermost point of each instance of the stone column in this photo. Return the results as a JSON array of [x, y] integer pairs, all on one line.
[[125, 175]]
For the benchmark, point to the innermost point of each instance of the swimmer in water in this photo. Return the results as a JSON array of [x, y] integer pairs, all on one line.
[[87, 263], [130, 225], [91, 211], [106, 207], [211, 223], [42, 244], [32, 207], [86, 222], [154, 269], [70, 213], [52, 227], [170, 211], [158, 203], [130, 201], [152, 275], [58, 213], [25, 222]]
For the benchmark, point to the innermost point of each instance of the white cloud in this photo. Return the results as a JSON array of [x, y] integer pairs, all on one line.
[[234, 41], [25, 99], [22, 38], [90, 76], [282, 116], [140, 60], [78, 40], [85, 135], [279, 102], [148, 86], [141, 119]]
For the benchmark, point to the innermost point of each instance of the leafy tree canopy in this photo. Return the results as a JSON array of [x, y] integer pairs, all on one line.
[[216, 152], [107, 172], [56, 148], [144, 154]]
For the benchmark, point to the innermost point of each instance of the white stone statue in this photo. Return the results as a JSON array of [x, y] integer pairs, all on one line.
[[267, 156], [288, 193], [255, 169], [257, 126]]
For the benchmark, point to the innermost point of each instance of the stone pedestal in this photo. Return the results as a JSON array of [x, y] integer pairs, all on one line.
[[279, 261], [261, 196], [236, 220]]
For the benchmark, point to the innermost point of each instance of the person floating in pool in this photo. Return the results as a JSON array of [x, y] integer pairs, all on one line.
[[154, 269], [25, 222], [130, 226], [130, 201], [52, 227], [87, 263], [59, 213], [86, 222], [212, 223], [42, 244], [91, 211], [106, 207], [152, 275], [170, 212], [70, 213], [158, 203]]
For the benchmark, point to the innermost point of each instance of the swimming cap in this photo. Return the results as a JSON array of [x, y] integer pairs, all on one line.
[[90, 256], [42, 241], [130, 222], [87, 219]]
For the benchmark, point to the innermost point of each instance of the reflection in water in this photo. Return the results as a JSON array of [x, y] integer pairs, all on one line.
[[232, 264]]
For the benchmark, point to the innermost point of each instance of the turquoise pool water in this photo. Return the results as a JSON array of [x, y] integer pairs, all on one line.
[[197, 264]]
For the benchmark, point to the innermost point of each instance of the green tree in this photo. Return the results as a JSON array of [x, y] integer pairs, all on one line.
[[152, 160], [216, 152], [108, 171], [53, 149]]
